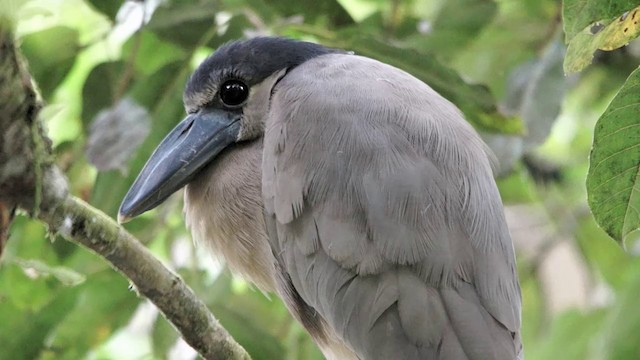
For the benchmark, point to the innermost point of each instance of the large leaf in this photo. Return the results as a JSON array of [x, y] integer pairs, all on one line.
[[52, 53], [614, 172], [614, 34], [578, 14]]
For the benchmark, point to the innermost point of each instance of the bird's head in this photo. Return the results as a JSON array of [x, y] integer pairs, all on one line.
[[227, 101]]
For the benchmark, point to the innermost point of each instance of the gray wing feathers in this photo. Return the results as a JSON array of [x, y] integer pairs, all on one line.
[[387, 215]]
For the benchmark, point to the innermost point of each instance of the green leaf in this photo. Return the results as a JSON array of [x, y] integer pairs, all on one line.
[[614, 168], [184, 23], [150, 52], [104, 305], [252, 319], [615, 34], [607, 259], [623, 320], [320, 12], [578, 14], [24, 334], [108, 7], [51, 54], [99, 90], [518, 187], [569, 337]]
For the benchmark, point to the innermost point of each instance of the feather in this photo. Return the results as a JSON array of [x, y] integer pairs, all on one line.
[[389, 223]]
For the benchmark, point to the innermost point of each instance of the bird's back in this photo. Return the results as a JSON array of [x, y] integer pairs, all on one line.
[[383, 215]]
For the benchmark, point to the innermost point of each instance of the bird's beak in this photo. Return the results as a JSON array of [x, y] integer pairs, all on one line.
[[193, 143]]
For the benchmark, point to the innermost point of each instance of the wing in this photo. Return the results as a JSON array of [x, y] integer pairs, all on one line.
[[384, 215]]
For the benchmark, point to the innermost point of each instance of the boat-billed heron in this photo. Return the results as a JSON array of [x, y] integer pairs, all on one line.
[[351, 189]]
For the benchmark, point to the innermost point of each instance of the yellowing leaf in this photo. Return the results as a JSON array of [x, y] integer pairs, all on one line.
[[620, 31], [613, 35]]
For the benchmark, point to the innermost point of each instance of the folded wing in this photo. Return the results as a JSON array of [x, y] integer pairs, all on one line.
[[384, 217]]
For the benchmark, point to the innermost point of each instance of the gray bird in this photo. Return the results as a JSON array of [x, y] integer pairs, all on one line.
[[351, 189]]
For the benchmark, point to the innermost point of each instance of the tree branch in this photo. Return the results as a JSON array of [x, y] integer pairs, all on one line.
[[30, 180]]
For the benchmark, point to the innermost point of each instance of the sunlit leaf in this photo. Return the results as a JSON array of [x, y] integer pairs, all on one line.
[[613, 182]]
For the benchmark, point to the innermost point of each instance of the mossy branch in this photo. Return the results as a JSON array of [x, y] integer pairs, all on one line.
[[30, 180]]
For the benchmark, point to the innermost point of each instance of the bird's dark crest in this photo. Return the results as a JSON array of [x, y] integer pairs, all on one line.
[[255, 59]]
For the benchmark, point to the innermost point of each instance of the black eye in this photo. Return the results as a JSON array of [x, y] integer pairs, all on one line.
[[233, 92]]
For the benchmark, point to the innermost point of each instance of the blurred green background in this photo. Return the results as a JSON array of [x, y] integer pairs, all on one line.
[[112, 73]]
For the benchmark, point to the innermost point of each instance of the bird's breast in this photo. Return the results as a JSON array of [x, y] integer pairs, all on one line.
[[223, 209]]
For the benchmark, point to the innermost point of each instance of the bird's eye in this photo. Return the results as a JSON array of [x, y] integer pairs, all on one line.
[[233, 92]]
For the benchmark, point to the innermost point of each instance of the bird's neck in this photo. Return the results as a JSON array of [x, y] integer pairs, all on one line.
[[224, 211]]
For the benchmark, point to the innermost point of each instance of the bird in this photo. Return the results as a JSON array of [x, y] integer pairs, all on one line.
[[353, 191]]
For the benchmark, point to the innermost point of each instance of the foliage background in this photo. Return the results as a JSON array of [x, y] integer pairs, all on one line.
[[112, 74]]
